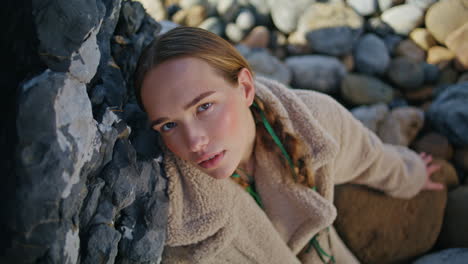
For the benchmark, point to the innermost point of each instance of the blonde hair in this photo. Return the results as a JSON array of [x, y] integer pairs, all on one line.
[[226, 60]]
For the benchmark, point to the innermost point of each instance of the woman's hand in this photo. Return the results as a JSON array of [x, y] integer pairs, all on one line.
[[430, 168]]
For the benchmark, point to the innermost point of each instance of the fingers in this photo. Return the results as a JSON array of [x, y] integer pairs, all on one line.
[[435, 186], [425, 157], [433, 168]]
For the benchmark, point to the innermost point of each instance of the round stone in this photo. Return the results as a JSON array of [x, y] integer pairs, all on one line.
[[362, 89], [371, 55], [403, 18], [316, 72], [406, 74]]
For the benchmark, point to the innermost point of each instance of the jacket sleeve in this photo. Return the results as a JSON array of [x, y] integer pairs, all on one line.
[[362, 157]]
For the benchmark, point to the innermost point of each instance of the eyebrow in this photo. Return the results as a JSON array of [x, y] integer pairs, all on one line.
[[187, 106]]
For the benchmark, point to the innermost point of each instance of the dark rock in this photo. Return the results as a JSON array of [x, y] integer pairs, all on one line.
[[406, 74], [377, 26], [431, 73], [447, 256], [397, 102], [120, 175], [143, 223], [461, 159], [58, 31], [126, 56], [434, 144], [91, 202], [102, 245], [454, 231], [57, 138], [132, 14], [106, 31], [449, 113], [316, 72], [334, 41], [371, 55], [172, 9], [361, 89], [392, 41]]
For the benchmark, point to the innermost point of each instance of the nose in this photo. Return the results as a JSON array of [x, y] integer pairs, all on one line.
[[197, 138]]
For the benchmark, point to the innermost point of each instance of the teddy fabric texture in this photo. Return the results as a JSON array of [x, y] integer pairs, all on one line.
[[217, 221]]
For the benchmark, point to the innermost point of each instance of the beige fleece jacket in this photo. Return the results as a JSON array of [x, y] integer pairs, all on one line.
[[216, 221]]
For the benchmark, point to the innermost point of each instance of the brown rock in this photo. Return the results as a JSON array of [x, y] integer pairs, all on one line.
[[259, 37], [423, 94], [401, 125], [454, 231], [461, 158], [439, 55], [180, 16], [195, 15], [423, 38], [444, 17], [435, 144], [457, 41], [446, 174], [380, 229], [348, 61], [407, 48]]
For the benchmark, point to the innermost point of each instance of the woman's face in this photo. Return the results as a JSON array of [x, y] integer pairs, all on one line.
[[202, 118]]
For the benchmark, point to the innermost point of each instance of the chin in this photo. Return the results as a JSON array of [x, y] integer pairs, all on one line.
[[219, 176]]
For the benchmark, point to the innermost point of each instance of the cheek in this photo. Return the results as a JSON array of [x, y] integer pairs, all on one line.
[[228, 122], [174, 145]]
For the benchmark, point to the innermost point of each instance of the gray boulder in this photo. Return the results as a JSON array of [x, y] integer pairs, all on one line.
[[263, 63], [406, 74], [362, 89], [447, 256], [371, 56], [316, 72], [448, 113]]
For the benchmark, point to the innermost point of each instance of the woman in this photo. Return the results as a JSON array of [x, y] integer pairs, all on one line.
[[252, 164]]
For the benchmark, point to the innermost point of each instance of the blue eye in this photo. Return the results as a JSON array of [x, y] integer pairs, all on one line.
[[168, 126], [204, 107]]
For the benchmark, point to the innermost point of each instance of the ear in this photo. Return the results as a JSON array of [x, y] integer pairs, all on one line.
[[246, 83]]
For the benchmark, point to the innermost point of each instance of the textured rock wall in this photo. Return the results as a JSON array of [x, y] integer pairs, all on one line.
[[85, 179]]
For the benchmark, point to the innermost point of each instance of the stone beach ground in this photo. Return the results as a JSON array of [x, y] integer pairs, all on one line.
[[83, 182]]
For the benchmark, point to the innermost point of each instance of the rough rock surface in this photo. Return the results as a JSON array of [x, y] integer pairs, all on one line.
[[85, 189]]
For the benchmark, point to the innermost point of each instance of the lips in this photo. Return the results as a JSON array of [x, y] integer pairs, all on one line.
[[211, 160], [207, 157]]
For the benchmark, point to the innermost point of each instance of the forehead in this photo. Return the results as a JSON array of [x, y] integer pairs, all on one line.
[[176, 82]]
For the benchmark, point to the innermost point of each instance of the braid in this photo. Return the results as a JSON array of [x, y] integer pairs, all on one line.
[[292, 144]]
